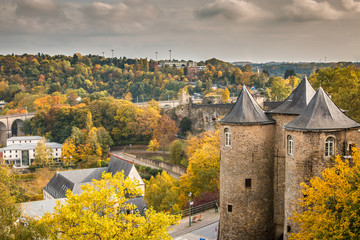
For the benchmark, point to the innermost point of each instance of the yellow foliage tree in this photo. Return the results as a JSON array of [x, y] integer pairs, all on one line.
[[332, 203], [162, 191], [204, 165], [99, 212], [225, 95], [69, 154], [128, 96], [43, 153], [153, 145]]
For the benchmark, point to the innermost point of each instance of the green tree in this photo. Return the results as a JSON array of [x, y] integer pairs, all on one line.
[[185, 125], [161, 191], [343, 84], [178, 152], [43, 153], [13, 225], [99, 212], [279, 90], [332, 203]]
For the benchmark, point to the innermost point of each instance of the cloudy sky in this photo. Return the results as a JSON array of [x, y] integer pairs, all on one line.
[[231, 30]]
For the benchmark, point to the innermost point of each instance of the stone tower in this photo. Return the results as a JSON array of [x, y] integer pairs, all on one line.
[[246, 172], [287, 111], [319, 132]]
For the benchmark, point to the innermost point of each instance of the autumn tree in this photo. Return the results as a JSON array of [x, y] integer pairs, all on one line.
[[279, 90], [128, 96], [203, 165], [225, 96], [161, 191], [43, 153], [343, 84], [331, 203], [13, 225], [165, 131], [99, 212], [153, 145], [178, 152]]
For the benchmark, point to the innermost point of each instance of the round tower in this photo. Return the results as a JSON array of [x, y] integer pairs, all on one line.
[[246, 172], [287, 111], [319, 132]]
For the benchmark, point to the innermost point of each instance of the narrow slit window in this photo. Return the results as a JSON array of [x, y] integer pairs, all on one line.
[[248, 183], [329, 146], [229, 208], [290, 145], [227, 137]]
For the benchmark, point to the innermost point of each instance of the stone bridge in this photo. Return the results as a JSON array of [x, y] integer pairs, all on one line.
[[10, 125]]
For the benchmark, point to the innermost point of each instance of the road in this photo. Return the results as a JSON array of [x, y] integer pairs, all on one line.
[[208, 232]]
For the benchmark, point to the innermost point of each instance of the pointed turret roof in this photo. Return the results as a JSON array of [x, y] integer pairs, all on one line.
[[297, 100], [321, 114], [246, 111]]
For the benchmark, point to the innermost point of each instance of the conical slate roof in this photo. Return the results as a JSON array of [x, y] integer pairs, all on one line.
[[246, 111], [321, 114], [297, 100]]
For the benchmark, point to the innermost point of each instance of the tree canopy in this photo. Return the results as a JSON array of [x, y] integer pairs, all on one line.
[[101, 212], [332, 203]]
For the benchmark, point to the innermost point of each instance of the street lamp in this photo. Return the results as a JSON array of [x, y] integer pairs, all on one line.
[[171, 205], [189, 194]]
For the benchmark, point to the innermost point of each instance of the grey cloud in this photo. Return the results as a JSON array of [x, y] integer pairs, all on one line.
[[311, 10], [48, 16], [352, 5], [237, 10]]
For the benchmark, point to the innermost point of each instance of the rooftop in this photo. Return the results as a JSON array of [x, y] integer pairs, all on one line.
[[246, 111], [298, 99], [74, 179], [29, 146], [25, 138], [321, 114]]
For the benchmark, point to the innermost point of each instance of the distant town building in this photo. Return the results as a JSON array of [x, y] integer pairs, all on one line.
[[20, 151], [177, 64]]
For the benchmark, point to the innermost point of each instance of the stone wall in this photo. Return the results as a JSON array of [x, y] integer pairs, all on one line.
[[279, 170], [250, 156], [308, 160], [203, 116]]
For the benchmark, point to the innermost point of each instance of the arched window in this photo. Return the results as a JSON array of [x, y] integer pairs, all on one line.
[[329, 146], [227, 137], [290, 145]]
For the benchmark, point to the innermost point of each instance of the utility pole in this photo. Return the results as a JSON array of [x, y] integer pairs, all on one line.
[[103, 54], [170, 54], [112, 53], [156, 55], [325, 59]]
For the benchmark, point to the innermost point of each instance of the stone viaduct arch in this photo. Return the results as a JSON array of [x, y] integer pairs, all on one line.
[[10, 125]]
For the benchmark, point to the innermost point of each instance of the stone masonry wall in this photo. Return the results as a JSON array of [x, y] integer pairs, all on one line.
[[250, 156], [279, 170], [308, 161], [203, 116]]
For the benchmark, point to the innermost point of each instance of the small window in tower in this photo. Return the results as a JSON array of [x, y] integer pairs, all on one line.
[[248, 183], [229, 208], [290, 145], [288, 228], [329, 146], [227, 137]]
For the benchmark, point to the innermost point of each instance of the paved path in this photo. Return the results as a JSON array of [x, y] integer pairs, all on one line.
[[138, 161], [182, 231], [208, 232]]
